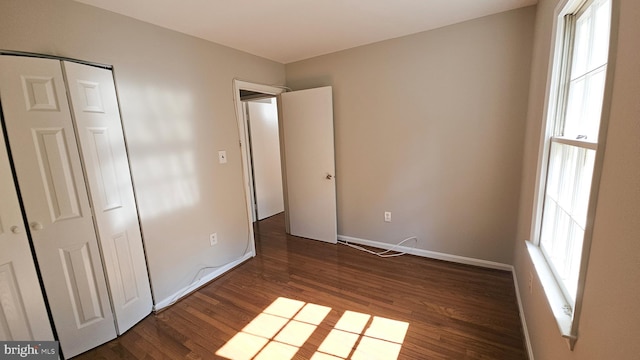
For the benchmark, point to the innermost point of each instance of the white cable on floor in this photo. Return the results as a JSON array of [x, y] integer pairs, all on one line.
[[196, 279], [382, 254]]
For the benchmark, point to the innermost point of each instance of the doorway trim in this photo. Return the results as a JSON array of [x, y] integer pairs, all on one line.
[[243, 133]]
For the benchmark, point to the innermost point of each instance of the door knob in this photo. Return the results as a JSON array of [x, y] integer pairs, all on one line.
[[36, 226], [329, 176], [15, 229]]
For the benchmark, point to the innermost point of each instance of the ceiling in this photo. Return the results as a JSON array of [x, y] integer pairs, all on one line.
[[292, 30]]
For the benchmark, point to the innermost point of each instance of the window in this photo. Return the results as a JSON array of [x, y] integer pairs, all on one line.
[[571, 148]]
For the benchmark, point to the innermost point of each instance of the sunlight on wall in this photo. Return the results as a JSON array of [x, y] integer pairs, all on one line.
[[166, 172], [286, 325]]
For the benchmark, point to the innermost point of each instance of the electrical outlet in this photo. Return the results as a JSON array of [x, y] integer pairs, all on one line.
[[213, 239], [387, 216], [530, 282]]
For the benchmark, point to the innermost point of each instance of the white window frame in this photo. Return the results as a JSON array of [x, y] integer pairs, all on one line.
[[566, 312]]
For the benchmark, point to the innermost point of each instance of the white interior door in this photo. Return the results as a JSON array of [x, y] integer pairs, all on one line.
[[307, 121], [54, 194], [23, 315], [97, 119]]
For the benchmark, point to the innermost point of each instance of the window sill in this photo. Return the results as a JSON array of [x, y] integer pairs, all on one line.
[[560, 307]]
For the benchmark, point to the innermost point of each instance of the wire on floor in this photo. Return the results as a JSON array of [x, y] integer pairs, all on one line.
[[198, 276], [391, 252]]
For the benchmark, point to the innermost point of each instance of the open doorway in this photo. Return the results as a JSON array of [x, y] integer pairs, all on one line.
[[306, 138], [263, 142], [245, 93]]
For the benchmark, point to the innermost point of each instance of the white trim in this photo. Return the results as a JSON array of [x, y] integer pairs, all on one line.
[[413, 251], [550, 108], [244, 136], [169, 300], [455, 259], [555, 298], [525, 330], [597, 167], [265, 89], [428, 254], [569, 329], [576, 143]]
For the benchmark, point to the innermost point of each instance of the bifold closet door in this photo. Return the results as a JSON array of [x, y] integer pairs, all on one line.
[[23, 315], [54, 194], [97, 119]]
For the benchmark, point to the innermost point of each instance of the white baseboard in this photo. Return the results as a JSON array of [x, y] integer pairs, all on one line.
[[456, 259], [205, 279], [413, 251], [428, 254], [527, 339]]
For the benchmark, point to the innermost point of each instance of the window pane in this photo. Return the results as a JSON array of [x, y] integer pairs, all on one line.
[[574, 108], [600, 47], [590, 123], [584, 106], [583, 187], [565, 210], [581, 45], [588, 70]]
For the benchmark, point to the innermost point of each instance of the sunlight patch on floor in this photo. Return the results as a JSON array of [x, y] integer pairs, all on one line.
[[286, 325], [382, 339]]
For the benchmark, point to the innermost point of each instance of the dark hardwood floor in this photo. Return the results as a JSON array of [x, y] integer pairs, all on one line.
[[373, 307]]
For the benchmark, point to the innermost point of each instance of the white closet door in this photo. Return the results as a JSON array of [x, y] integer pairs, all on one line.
[[54, 195], [23, 315], [97, 119]]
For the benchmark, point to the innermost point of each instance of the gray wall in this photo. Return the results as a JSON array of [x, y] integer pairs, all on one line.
[[177, 107], [430, 127], [610, 320]]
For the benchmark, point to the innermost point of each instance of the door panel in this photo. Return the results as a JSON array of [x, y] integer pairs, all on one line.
[[54, 195], [97, 118], [23, 315], [13, 317], [57, 177], [307, 120], [78, 272]]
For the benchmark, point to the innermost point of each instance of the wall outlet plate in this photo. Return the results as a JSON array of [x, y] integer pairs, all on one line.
[[387, 216], [213, 239], [222, 157]]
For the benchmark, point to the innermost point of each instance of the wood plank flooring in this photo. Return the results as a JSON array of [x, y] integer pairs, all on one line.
[[426, 309]]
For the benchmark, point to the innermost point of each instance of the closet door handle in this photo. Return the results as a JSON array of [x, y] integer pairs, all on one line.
[[36, 226], [15, 229]]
